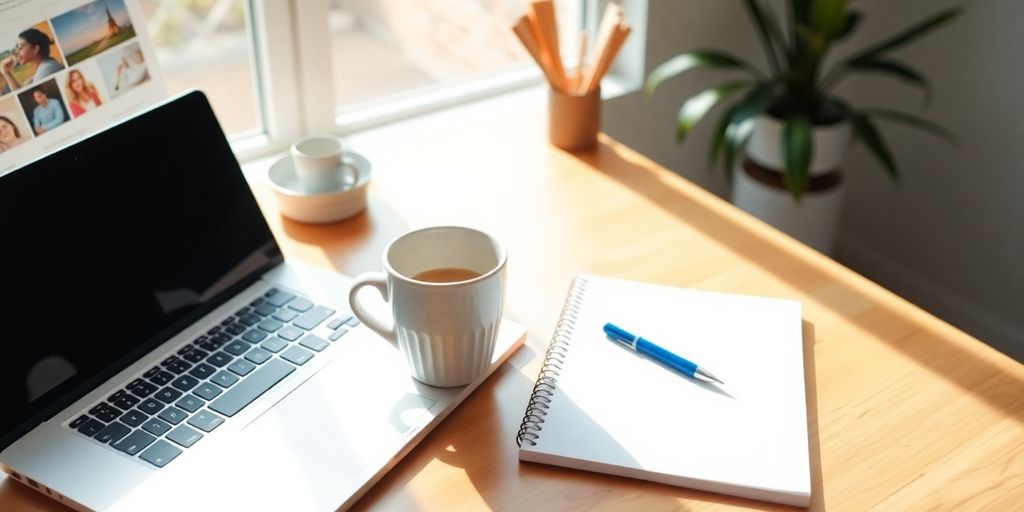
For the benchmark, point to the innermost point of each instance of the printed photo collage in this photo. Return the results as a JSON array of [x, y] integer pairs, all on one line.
[[65, 67]]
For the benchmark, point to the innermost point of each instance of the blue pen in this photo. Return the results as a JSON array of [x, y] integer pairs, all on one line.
[[659, 354]]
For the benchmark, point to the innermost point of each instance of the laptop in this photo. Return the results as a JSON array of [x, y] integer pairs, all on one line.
[[159, 352]]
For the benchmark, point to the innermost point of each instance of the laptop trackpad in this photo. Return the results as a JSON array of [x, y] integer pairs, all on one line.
[[342, 418]]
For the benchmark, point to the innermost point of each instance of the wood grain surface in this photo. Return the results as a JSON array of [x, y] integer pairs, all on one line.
[[905, 411]]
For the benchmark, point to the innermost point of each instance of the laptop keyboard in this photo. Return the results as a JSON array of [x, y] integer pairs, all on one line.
[[191, 392]]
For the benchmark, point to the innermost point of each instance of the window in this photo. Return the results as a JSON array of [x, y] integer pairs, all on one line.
[[275, 69], [206, 44]]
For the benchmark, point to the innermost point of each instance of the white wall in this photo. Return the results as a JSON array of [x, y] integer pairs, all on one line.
[[950, 235]]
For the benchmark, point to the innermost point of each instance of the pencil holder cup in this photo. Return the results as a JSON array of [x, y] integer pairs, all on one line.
[[574, 120]]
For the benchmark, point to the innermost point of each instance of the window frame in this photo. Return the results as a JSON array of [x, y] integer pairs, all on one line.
[[290, 44]]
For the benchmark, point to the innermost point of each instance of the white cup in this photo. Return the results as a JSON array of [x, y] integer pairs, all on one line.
[[446, 330], [321, 165]]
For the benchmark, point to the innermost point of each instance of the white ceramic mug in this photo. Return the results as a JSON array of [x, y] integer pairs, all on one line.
[[446, 330], [321, 164]]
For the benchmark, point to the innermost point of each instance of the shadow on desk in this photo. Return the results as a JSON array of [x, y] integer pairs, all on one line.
[[925, 343]]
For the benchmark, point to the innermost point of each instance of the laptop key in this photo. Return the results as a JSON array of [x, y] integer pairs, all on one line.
[[255, 335], [195, 355], [301, 305], [249, 319], [144, 389], [185, 382], [241, 367], [151, 406], [267, 326], [286, 315], [290, 333], [79, 421], [126, 402], [237, 347], [151, 372], [224, 379], [279, 298], [207, 391], [220, 339], [296, 355], [270, 325], [184, 436], [132, 418], [189, 403], [162, 378], [106, 413], [243, 311], [313, 317], [336, 335], [265, 309], [314, 342], [179, 366], [334, 324], [258, 356], [160, 453], [91, 427], [135, 442], [251, 388], [173, 415], [236, 329], [205, 421], [274, 344], [168, 395], [202, 371], [219, 359], [156, 427], [112, 433], [209, 345]]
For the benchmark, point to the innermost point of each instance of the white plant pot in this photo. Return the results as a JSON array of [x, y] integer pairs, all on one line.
[[815, 219]]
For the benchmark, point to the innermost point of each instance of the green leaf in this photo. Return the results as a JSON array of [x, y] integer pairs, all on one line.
[[718, 140], [771, 36], [866, 131], [692, 60], [852, 21], [913, 121], [828, 17], [797, 146], [895, 69], [741, 122], [695, 108], [910, 34]]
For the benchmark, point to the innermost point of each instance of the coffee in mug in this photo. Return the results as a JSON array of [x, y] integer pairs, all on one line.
[[446, 290], [446, 275]]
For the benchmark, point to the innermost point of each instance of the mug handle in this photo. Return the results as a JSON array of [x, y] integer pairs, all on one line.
[[379, 281], [349, 172]]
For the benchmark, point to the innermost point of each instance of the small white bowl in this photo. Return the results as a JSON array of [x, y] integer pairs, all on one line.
[[318, 208]]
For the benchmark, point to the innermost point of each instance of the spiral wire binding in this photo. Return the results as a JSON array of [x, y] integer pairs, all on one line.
[[554, 359]]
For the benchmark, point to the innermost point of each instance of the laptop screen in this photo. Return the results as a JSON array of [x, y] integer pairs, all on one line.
[[110, 246]]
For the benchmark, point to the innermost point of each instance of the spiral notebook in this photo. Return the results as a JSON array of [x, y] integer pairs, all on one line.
[[599, 406]]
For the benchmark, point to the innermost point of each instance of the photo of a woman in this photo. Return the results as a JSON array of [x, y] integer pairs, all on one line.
[[10, 135], [32, 50], [81, 94]]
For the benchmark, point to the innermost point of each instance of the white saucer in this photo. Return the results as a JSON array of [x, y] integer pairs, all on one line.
[[322, 207]]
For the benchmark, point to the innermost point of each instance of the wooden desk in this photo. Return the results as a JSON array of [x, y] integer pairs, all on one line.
[[905, 411]]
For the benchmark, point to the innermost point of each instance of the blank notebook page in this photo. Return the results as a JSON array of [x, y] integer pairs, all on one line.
[[616, 411]]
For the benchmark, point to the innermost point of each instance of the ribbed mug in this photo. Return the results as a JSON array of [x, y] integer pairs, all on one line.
[[446, 330]]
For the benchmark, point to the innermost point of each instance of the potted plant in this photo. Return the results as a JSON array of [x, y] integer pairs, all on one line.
[[789, 123]]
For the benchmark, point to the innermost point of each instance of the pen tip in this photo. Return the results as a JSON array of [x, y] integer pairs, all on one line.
[[707, 376]]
